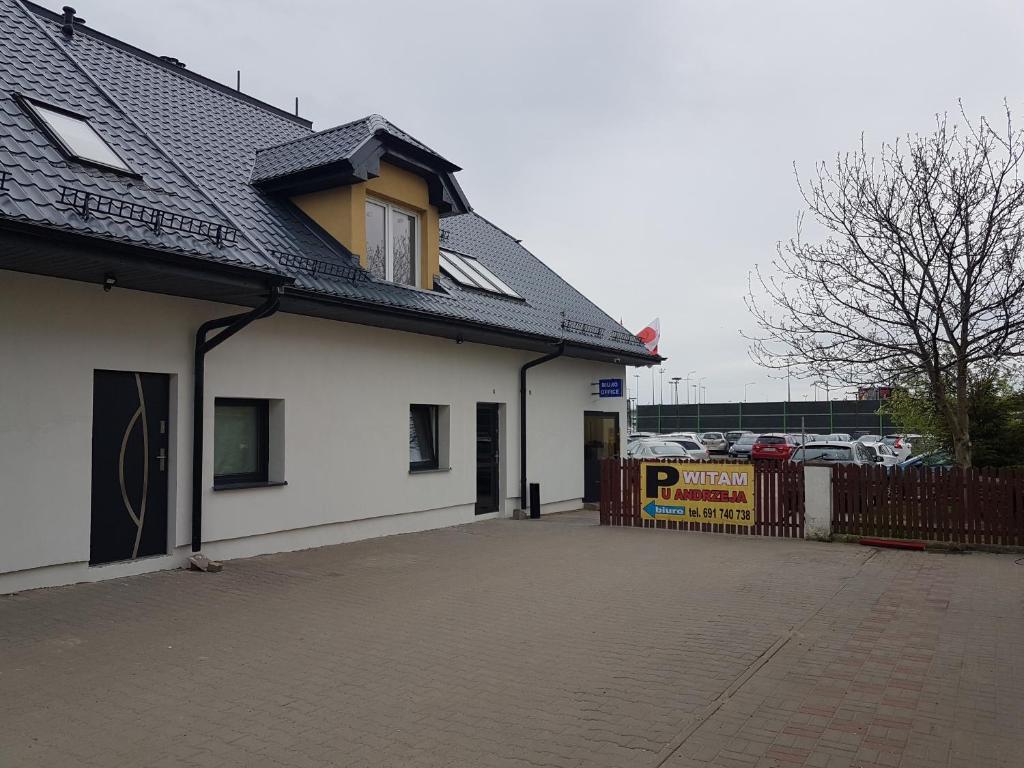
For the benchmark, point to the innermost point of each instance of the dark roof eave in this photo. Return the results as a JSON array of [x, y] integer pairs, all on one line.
[[302, 301], [91, 245]]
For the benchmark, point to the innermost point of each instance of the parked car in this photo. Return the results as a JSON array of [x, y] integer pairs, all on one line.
[[804, 438], [715, 442], [743, 446], [883, 453], [684, 435], [837, 437], [869, 439], [834, 452], [932, 460], [736, 434], [693, 449], [773, 446], [656, 449], [902, 445]]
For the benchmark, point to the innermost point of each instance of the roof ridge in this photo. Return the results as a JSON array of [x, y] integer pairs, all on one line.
[[313, 134], [38, 10]]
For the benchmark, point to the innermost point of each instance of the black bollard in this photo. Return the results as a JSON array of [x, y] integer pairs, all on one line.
[[535, 501]]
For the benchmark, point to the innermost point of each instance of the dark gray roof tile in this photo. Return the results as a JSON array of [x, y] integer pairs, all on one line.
[[196, 146]]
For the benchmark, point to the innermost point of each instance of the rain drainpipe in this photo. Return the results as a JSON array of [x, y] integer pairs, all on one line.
[[522, 418], [231, 324]]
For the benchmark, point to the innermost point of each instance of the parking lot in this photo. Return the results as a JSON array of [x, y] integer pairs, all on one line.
[[533, 643]]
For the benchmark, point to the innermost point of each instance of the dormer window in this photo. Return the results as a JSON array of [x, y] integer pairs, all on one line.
[[77, 138], [392, 242]]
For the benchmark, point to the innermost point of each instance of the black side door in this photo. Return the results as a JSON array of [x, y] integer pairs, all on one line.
[[129, 465], [488, 482], [600, 441]]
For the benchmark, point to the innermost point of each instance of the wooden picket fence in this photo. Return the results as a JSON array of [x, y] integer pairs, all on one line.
[[973, 506], [778, 489]]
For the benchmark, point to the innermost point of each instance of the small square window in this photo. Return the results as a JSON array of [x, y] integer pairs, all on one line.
[[241, 441], [75, 135], [423, 443]]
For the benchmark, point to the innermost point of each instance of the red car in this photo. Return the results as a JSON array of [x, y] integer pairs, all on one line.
[[773, 446]]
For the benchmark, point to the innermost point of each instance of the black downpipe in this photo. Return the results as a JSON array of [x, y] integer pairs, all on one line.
[[231, 324], [522, 418]]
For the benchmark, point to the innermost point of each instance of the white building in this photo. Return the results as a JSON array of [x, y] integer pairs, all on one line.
[[367, 380]]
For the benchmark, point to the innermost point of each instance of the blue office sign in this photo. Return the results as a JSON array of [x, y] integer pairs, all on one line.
[[610, 387]]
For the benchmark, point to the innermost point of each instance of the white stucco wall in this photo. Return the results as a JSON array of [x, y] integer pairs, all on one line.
[[346, 391]]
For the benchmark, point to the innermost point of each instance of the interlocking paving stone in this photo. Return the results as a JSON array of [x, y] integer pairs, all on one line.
[[550, 643]]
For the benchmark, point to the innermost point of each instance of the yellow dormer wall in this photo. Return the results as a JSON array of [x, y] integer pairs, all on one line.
[[341, 211]]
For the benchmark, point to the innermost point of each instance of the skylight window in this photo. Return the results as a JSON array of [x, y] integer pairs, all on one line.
[[77, 137], [470, 272]]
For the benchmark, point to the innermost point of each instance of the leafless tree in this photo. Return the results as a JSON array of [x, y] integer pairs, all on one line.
[[917, 271]]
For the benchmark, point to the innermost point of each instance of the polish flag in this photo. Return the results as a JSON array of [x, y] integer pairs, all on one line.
[[651, 335]]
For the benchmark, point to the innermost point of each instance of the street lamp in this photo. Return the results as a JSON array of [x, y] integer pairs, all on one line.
[[748, 384], [688, 386], [675, 388], [702, 387]]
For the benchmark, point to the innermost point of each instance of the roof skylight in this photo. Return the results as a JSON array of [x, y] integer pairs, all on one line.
[[470, 272], [77, 137]]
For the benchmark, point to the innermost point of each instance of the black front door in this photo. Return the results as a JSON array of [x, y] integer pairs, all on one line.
[[600, 441], [129, 465], [488, 485]]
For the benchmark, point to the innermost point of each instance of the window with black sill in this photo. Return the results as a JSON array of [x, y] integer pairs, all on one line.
[[241, 442], [423, 437]]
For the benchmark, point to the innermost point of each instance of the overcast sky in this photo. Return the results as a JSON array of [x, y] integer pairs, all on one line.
[[643, 150]]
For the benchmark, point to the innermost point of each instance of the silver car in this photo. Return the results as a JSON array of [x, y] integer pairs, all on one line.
[[741, 448], [715, 442], [835, 452], [655, 449]]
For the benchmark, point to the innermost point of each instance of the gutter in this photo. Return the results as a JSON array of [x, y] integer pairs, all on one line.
[[231, 325], [522, 417]]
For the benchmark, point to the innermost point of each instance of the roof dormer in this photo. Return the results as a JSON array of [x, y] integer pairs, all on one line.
[[375, 189]]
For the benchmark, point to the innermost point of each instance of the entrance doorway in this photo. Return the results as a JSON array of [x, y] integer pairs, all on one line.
[[129, 465], [488, 480], [600, 441]]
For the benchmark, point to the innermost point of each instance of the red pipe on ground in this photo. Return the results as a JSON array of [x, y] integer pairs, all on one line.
[[893, 544]]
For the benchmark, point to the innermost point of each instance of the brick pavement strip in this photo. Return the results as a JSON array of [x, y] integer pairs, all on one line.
[[550, 643]]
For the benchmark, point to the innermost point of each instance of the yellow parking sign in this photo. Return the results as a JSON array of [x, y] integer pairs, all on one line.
[[698, 493]]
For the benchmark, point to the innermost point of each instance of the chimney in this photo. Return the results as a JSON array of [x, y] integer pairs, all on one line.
[[70, 20]]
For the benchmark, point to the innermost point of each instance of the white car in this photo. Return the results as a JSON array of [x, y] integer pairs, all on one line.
[[886, 456], [901, 445], [682, 435], [655, 449], [694, 448]]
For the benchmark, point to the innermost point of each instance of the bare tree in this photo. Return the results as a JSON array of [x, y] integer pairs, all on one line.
[[917, 273]]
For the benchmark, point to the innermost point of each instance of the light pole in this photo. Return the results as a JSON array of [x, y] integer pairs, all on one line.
[[661, 399], [701, 387], [748, 384], [789, 382], [675, 388], [636, 389], [688, 386]]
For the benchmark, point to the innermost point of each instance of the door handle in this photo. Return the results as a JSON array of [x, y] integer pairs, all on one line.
[[162, 457]]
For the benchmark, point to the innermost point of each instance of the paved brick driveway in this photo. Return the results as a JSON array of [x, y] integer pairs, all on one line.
[[551, 643]]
